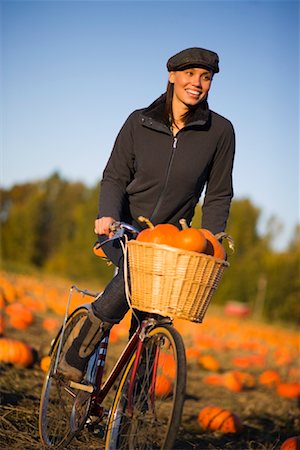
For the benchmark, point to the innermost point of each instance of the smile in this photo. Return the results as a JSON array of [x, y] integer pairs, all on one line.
[[194, 93]]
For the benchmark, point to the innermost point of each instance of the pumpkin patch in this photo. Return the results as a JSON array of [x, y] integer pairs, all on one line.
[[235, 364]]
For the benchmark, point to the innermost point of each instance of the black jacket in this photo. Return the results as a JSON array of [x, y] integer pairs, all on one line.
[[152, 173]]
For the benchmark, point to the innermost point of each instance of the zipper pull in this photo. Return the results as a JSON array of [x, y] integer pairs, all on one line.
[[175, 142]]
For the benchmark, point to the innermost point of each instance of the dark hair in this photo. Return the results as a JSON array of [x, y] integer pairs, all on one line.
[[169, 117]]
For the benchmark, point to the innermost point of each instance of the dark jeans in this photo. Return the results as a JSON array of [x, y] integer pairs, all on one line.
[[112, 305]]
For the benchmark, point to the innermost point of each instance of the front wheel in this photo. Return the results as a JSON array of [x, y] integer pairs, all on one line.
[[147, 408], [63, 410]]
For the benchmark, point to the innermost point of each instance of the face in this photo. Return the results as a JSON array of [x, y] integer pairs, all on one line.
[[191, 86]]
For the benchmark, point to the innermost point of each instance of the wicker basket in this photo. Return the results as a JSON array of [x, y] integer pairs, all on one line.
[[172, 282]]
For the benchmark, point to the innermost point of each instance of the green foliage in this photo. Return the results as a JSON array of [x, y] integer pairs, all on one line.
[[50, 225]]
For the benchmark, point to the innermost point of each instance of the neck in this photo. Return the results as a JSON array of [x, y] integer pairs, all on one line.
[[179, 110]]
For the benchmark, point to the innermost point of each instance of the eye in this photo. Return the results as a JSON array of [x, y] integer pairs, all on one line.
[[206, 77]]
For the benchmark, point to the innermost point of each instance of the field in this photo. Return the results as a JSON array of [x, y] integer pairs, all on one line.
[[236, 363]]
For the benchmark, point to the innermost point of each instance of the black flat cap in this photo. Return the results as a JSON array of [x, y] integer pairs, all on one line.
[[194, 57]]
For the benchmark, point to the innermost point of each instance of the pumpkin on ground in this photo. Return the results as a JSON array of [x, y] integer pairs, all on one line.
[[45, 363], [163, 386], [290, 390], [209, 362], [215, 418], [292, 443], [269, 377], [18, 353]]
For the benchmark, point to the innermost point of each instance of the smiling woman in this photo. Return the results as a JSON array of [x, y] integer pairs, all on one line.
[[195, 149]]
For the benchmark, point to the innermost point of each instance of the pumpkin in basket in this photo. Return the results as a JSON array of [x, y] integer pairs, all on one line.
[[190, 239], [163, 233], [214, 246]]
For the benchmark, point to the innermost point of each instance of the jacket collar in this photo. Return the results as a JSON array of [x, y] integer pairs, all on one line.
[[155, 113]]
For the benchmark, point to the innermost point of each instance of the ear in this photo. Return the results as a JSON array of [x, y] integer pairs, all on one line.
[[172, 77]]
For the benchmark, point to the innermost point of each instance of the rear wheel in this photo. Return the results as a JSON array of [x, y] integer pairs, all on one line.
[[63, 411], [147, 415]]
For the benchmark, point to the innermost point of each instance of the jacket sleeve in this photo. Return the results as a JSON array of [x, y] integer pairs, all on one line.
[[118, 173], [219, 190]]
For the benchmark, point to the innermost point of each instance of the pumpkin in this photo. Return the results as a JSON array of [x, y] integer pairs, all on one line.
[[232, 381], [167, 365], [292, 443], [51, 324], [19, 315], [45, 363], [98, 251], [190, 239], [269, 377], [213, 246], [218, 419], [13, 351], [163, 386], [246, 379], [159, 234], [209, 362], [290, 390], [214, 379], [2, 324]]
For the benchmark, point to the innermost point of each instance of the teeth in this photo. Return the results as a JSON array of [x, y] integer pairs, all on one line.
[[193, 92]]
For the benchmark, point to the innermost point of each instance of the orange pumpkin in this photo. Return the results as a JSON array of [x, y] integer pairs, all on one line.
[[16, 352], [290, 390], [163, 233], [269, 377], [167, 365], [292, 443], [51, 324], [45, 363], [213, 246], [2, 324], [163, 386], [190, 239], [98, 251], [215, 418], [209, 362], [232, 382]]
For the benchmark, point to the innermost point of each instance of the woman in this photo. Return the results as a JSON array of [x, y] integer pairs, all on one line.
[[162, 159]]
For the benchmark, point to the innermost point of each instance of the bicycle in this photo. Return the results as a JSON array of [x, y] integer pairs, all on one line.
[[146, 410]]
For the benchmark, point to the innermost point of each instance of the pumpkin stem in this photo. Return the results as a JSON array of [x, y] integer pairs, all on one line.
[[183, 224], [230, 240], [147, 221]]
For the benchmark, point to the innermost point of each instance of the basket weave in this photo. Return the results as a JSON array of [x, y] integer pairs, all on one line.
[[172, 282]]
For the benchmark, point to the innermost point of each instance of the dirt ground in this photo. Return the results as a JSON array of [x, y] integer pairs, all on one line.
[[267, 418]]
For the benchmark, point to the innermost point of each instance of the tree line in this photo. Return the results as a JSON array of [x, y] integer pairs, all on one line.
[[48, 225]]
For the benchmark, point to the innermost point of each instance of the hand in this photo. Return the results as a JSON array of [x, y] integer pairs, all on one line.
[[102, 226]]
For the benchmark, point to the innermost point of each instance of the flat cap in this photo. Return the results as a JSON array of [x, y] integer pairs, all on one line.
[[194, 57]]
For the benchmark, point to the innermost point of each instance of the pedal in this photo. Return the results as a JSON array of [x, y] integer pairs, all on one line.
[[82, 387]]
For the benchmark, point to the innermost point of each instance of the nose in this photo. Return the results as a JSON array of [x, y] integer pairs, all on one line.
[[197, 81]]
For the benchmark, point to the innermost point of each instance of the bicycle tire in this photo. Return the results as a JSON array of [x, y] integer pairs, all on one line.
[[154, 419], [63, 411]]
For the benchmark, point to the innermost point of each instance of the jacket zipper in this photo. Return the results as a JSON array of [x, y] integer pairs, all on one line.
[[160, 199]]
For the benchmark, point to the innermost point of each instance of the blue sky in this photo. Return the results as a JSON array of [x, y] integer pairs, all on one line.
[[72, 71]]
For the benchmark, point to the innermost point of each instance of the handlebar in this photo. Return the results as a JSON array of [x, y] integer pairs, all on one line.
[[122, 227], [119, 229]]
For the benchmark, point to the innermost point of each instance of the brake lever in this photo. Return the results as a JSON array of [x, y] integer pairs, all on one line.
[[118, 234]]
